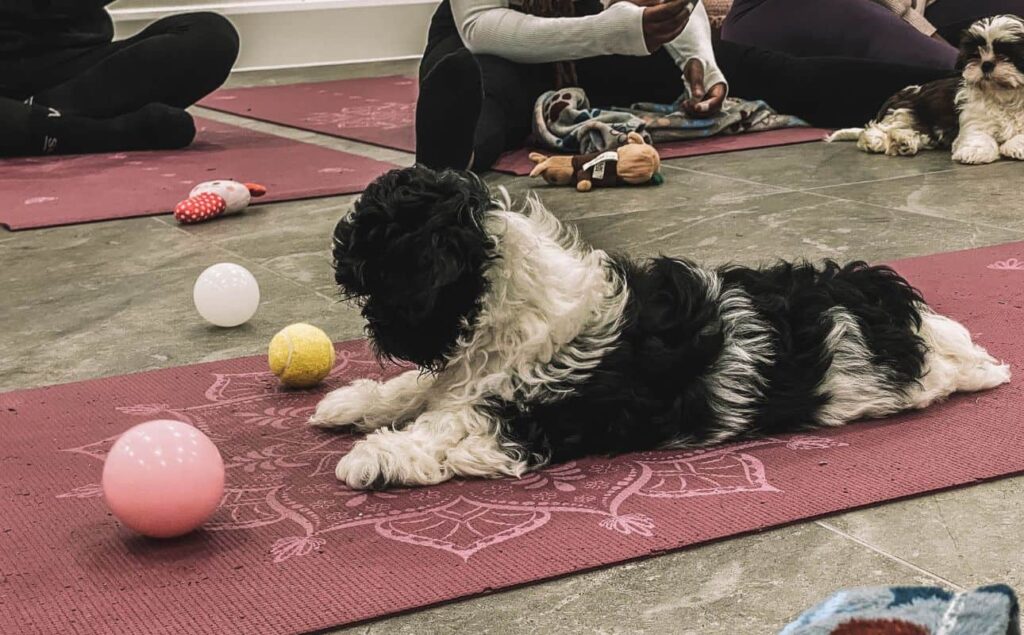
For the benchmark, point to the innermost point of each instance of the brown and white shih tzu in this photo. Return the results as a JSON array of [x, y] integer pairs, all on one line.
[[980, 114], [533, 347]]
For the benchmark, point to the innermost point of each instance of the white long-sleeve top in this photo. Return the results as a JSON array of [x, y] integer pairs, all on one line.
[[491, 27]]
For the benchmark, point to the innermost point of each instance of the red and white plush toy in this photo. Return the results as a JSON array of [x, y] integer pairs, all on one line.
[[216, 198]]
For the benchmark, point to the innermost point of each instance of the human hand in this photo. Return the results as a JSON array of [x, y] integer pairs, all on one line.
[[664, 20], [702, 102]]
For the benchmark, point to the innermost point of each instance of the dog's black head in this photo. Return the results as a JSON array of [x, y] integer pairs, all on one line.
[[414, 252], [992, 53]]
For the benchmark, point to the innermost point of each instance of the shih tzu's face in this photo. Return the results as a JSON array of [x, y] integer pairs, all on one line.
[[992, 53], [413, 253]]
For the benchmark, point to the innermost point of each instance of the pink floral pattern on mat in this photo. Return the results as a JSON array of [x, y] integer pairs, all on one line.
[[374, 114], [284, 475], [1010, 264], [294, 551]]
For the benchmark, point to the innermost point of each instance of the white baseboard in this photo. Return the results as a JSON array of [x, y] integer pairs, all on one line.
[[296, 33], [368, 60]]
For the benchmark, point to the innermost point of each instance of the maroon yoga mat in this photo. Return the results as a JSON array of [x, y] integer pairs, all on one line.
[[376, 110], [291, 550], [518, 162], [49, 191], [382, 110]]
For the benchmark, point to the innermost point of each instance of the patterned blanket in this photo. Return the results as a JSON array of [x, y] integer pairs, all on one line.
[[990, 610], [564, 121]]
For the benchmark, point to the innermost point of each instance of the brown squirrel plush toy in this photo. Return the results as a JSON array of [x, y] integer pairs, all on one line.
[[635, 163]]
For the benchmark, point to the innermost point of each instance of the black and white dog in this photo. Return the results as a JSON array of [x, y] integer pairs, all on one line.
[[980, 114], [536, 348]]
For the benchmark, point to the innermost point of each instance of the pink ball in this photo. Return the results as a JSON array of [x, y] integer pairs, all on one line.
[[163, 478]]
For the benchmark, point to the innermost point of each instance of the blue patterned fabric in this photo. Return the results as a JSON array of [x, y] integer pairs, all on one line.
[[990, 610], [564, 121]]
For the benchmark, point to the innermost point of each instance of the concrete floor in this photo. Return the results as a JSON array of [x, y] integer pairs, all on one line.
[[115, 298]]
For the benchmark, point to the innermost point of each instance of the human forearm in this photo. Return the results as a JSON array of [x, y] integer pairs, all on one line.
[[695, 43], [490, 27]]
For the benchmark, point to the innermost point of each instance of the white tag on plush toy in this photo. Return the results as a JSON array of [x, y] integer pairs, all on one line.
[[601, 158]]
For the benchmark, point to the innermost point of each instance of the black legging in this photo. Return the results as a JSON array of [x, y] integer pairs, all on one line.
[[857, 28], [826, 92], [173, 63]]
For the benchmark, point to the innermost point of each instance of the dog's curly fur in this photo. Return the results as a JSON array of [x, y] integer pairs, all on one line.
[[414, 254], [537, 348]]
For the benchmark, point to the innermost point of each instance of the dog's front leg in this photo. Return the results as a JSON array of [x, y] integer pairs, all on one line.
[[975, 146], [1013, 148], [368, 404], [438, 445]]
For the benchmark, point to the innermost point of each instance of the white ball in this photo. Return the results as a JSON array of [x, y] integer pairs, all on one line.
[[226, 294]]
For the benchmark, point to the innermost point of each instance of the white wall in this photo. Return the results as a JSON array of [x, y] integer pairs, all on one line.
[[293, 33]]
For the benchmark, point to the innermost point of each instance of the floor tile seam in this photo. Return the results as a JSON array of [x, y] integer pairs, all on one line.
[[781, 188], [933, 215], [251, 261], [808, 189], [890, 556], [292, 133], [881, 180]]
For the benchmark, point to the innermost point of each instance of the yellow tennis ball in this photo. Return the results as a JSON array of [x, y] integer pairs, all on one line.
[[301, 355]]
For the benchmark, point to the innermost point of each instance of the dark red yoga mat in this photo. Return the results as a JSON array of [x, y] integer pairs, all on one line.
[[291, 550], [519, 163], [43, 192], [382, 111], [376, 110]]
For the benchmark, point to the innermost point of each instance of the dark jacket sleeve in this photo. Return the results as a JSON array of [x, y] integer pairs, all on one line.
[[50, 8]]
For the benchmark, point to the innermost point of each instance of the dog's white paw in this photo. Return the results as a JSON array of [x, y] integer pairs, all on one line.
[[905, 143], [874, 140], [385, 459], [346, 406], [977, 152], [1014, 148]]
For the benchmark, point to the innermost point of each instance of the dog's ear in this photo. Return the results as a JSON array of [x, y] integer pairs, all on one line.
[[968, 49], [962, 59], [414, 251]]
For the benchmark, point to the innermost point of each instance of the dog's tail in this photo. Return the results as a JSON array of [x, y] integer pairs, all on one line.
[[845, 134]]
